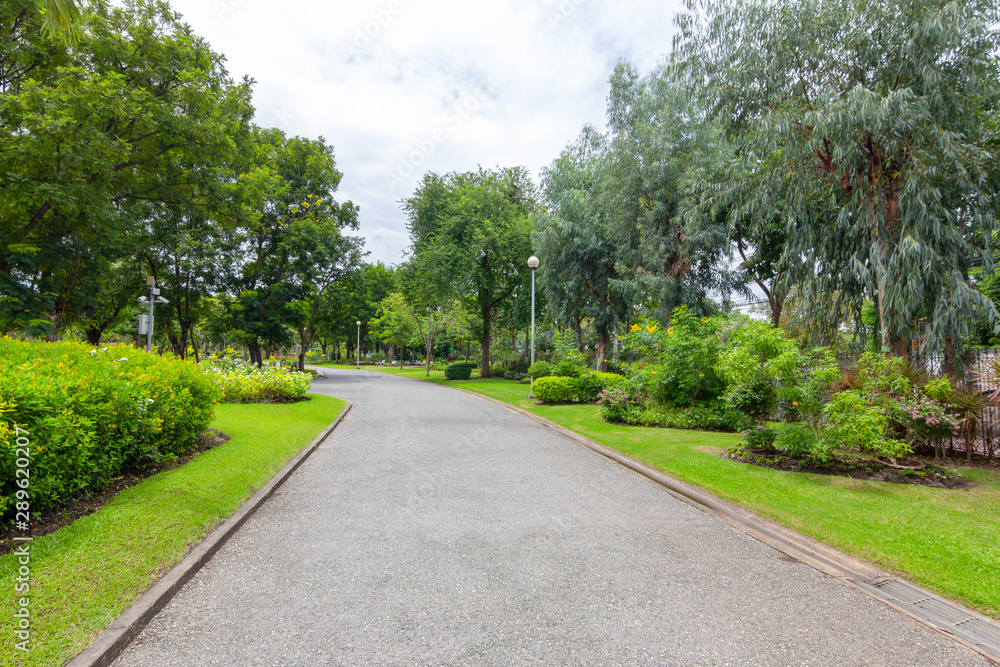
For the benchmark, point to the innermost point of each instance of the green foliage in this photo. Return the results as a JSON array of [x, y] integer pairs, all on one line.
[[699, 416], [620, 405], [798, 441], [592, 383], [540, 369], [760, 437], [567, 369], [856, 424], [458, 371], [92, 413], [885, 162], [555, 389], [756, 399], [247, 383]]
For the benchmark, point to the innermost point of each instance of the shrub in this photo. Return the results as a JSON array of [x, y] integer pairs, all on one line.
[[540, 369], [555, 389], [91, 413], [241, 382], [592, 383], [619, 405], [514, 375], [458, 371], [701, 417], [755, 398], [760, 437], [798, 441], [567, 369]]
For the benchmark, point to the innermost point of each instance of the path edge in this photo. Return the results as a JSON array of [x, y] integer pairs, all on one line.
[[116, 637]]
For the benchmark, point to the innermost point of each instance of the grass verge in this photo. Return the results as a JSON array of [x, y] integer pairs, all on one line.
[[85, 575], [943, 539]]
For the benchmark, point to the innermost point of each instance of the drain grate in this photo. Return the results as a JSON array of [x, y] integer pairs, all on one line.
[[934, 610]]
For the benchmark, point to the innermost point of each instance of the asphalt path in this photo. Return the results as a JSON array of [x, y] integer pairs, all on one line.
[[436, 528]]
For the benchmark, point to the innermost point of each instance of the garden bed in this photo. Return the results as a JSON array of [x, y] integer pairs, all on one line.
[[911, 471]]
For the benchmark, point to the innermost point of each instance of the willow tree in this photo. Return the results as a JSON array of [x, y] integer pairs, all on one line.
[[576, 240], [870, 122]]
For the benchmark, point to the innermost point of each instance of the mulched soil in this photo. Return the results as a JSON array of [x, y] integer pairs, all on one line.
[[43, 523], [930, 475]]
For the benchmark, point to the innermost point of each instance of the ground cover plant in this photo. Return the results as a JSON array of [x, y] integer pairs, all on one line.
[[941, 538], [84, 575], [90, 413]]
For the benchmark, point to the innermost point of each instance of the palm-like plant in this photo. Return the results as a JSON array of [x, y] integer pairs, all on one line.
[[62, 18]]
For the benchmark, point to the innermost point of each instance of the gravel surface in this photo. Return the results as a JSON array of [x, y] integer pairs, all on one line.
[[435, 528]]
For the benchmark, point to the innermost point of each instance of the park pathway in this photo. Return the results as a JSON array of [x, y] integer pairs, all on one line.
[[436, 528]]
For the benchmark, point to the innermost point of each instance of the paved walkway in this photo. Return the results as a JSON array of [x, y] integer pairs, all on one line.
[[435, 528]]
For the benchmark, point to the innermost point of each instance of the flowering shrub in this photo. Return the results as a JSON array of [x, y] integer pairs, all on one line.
[[246, 383], [760, 437], [925, 418], [619, 405], [592, 383], [91, 413]]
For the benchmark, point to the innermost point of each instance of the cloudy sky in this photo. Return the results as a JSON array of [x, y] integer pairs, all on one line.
[[402, 87]]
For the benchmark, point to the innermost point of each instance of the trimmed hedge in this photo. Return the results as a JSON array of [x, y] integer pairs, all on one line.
[[593, 383], [555, 389], [241, 382], [459, 371], [91, 413], [540, 369]]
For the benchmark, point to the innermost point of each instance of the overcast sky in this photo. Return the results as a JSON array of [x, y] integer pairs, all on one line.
[[402, 87]]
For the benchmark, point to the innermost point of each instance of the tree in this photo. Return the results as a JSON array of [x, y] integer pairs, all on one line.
[[879, 112], [288, 239], [580, 255], [661, 152], [140, 111], [470, 239]]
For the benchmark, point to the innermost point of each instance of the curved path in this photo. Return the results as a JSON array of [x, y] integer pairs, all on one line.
[[436, 528]]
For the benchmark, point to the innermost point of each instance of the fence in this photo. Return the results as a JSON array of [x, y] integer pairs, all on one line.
[[977, 372]]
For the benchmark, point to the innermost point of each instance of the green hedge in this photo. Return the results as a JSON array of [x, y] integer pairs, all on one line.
[[241, 382], [555, 389], [91, 413], [592, 383], [458, 371]]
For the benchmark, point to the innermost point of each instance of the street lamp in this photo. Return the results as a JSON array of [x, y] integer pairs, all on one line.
[[359, 344], [532, 264], [146, 321]]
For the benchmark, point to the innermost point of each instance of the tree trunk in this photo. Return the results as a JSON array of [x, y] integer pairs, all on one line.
[[602, 353], [303, 344], [94, 335], [776, 307], [390, 354], [948, 363], [484, 352]]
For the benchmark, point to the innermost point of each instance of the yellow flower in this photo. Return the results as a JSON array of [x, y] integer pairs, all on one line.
[[701, 375], [635, 327], [654, 372], [670, 331], [651, 329], [795, 403], [704, 319]]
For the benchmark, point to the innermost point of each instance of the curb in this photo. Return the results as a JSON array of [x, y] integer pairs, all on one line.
[[117, 636]]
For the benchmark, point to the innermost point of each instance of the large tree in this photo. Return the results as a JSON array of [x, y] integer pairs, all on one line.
[[470, 237], [576, 242], [879, 112], [139, 111]]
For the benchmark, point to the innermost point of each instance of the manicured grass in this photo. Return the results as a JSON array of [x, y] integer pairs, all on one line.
[[84, 575], [946, 540]]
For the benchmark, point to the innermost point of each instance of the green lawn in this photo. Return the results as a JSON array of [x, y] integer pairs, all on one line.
[[946, 540], [84, 575]]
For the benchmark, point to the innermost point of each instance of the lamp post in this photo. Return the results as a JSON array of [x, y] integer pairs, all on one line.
[[532, 264], [146, 326], [359, 344]]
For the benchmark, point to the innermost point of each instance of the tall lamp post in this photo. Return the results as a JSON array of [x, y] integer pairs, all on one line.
[[532, 264], [359, 344], [146, 321]]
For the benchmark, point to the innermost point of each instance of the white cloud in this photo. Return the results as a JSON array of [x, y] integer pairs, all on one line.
[[406, 86]]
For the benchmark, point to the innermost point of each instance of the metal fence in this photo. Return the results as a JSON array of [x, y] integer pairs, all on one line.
[[976, 370]]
